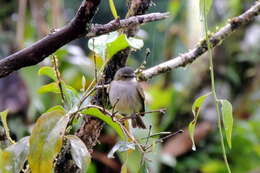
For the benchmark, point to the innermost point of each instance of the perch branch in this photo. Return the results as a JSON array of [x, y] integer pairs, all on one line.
[[215, 40]]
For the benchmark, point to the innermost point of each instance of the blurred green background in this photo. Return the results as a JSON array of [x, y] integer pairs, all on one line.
[[237, 71]]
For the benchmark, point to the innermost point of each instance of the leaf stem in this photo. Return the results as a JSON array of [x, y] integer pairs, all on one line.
[[211, 68]]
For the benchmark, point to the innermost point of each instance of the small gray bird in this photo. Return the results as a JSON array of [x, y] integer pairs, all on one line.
[[127, 96]]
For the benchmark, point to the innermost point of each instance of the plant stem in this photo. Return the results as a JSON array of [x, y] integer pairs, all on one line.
[[211, 68]]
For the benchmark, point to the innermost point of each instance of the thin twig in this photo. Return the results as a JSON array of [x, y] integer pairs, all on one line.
[[87, 94], [56, 69], [168, 136], [132, 137]]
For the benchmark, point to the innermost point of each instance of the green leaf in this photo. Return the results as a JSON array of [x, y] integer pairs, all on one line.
[[98, 114], [113, 9], [79, 152], [227, 114], [118, 44], [195, 110], [108, 45], [46, 140], [48, 71], [99, 44], [4, 121], [121, 146], [205, 6], [12, 159], [51, 87], [56, 108]]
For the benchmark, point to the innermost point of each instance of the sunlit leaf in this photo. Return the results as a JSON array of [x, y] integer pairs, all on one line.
[[79, 152], [113, 8], [118, 44], [121, 146], [99, 44], [108, 45], [12, 159], [56, 108], [48, 71], [51, 87], [98, 114], [195, 110], [46, 140], [4, 121], [227, 114]]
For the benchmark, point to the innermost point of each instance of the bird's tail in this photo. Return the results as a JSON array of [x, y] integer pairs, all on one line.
[[138, 122]]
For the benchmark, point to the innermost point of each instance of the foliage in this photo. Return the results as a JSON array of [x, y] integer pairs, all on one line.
[[60, 103]]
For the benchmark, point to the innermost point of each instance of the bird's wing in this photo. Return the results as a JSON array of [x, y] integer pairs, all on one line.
[[142, 97]]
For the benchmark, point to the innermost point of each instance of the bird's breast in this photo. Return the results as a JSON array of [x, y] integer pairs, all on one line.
[[124, 96]]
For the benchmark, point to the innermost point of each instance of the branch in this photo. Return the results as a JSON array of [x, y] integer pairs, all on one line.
[[38, 51], [114, 25], [76, 29], [215, 40]]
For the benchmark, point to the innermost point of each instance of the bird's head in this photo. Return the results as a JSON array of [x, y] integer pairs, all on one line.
[[125, 73]]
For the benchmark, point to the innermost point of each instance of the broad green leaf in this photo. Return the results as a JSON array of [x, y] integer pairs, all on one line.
[[56, 108], [79, 152], [51, 87], [108, 45], [205, 6], [4, 121], [48, 71], [98, 114], [118, 44], [12, 159], [54, 88], [227, 114], [46, 140], [99, 44], [121, 146], [113, 8], [195, 110]]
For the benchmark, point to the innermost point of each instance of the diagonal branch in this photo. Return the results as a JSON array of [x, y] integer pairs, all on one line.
[[216, 39], [76, 29], [38, 51]]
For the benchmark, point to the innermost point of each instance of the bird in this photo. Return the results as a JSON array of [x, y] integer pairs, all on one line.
[[127, 96]]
